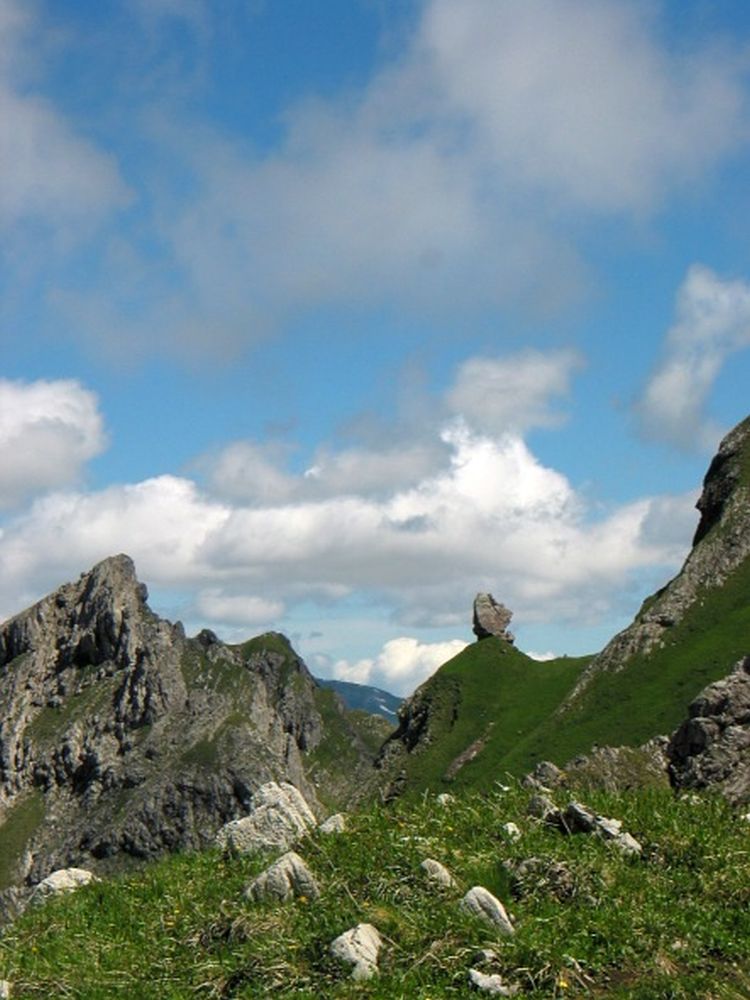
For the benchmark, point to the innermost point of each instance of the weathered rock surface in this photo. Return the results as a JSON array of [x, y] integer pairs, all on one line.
[[618, 769], [491, 984], [577, 818], [278, 818], [120, 736], [287, 878], [712, 747], [62, 881], [334, 824], [438, 874], [359, 947], [481, 903], [491, 618]]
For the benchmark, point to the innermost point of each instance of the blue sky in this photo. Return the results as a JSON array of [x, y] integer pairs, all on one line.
[[332, 315]]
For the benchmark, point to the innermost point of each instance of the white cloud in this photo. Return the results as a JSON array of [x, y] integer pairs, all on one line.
[[238, 609], [482, 514], [48, 431], [401, 665], [512, 393], [51, 174], [446, 185], [712, 323]]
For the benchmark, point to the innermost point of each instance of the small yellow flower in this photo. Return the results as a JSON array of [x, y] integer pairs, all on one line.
[[563, 983]]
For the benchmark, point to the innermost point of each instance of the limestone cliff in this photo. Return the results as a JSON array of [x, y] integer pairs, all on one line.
[[120, 737]]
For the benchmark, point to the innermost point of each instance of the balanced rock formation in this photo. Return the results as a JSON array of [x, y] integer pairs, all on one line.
[[121, 736], [491, 618]]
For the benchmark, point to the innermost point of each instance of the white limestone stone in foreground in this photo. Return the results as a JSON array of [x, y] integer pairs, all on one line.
[[511, 831], [4, 989], [60, 881], [480, 902], [334, 824], [359, 947], [286, 878], [493, 985], [438, 874], [279, 817]]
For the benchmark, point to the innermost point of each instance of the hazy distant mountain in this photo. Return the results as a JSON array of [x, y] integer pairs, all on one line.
[[366, 698]]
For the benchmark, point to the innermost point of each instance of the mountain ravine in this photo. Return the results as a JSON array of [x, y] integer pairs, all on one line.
[[122, 738]]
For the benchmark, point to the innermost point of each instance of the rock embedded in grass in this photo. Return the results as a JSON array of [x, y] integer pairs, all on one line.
[[279, 817], [287, 878], [334, 824], [5, 989], [438, 874], [60, 881], [481, 903], [359, 947], [493, 984]]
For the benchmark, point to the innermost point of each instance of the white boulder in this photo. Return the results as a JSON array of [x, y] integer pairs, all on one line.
[[359, 947], [279, 817], [286, 878], [481, 903]]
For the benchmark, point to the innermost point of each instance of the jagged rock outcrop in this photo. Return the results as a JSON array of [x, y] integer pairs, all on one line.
[[279, 817], [712, 747], [121, 736], [720, 545], [491, 618]]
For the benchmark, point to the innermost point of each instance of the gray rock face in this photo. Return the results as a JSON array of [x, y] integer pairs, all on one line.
[[359, 947], [481, 903], [62, 881], [288, 878], [712, 747], [120, 736], [578, 818], [279, 817], [491, 618]]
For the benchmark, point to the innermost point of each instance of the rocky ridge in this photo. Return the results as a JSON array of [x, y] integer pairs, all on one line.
[[122, 738], [720, 545]]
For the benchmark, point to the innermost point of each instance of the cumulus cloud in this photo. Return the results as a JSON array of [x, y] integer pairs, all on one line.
[[712, 323], [48, 431], [483, 513], [446, 184], [512, 393], [402, 664]]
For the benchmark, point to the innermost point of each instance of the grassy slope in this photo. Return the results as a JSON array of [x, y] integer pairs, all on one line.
[[672, 924], [491, 692], [651, 695]]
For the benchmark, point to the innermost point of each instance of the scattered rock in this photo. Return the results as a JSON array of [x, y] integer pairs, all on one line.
[[543, 808], [578, 818], [480, 902], [535, 874], [484, 955], [63, 880], [493, 985], [547, 775], [279, 817], [511, 831], [438, 874], [4, 989], [445, 799], [359, 947], [334, 824], [617, 769], [287, 878], [491, 618]]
